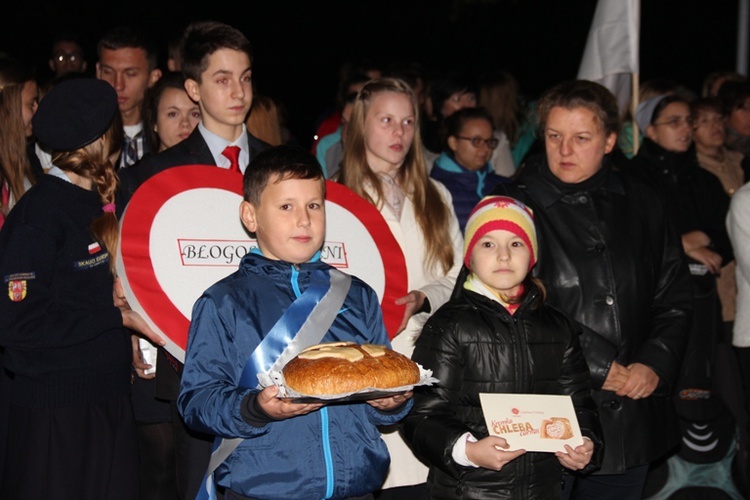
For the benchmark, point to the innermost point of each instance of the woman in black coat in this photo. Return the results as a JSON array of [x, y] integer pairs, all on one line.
[[612, 261]]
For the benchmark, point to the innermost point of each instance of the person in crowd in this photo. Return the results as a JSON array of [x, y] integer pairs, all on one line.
[[738, 226], [174, 60], [464, 165], [666, 161], [71, 430], [170, 115], [263, 121], [448, 93], [330, 125], [713, 82], [731, 169], [128, 61], [735, 99], [648, 89], [330, 149], [19, 96], [350, 458], [67, 55], [612, 261], [500, 95], [220, 139], [413, 73], [460, 343], [696, 203], [384, 163]]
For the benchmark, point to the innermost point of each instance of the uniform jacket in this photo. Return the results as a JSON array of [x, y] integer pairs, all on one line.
[[62, 336], [335, 452], [611, 260], [474, 345]]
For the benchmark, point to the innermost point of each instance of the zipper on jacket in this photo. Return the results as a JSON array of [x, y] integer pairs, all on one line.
[[524, 387], [327, 451], [295, 281], [325, 436]]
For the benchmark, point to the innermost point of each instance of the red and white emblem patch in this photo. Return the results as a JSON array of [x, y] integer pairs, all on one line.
[[94, 248], [17, 290]]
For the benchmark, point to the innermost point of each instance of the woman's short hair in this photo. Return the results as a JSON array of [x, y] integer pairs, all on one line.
[[582, 94]]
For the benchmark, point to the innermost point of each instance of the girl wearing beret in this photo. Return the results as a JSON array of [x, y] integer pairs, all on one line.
[[70, 428], [496, 335]]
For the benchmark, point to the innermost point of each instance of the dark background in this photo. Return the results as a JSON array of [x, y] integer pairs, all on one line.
[[299, 45]]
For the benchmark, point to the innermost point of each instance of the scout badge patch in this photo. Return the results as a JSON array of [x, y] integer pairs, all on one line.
[[17, 290], [17, 284]]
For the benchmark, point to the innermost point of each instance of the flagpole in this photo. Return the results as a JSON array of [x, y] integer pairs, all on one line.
[[633, 107], [743, 34]]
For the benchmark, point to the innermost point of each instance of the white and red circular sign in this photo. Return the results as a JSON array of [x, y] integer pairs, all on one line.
[[181, 233]]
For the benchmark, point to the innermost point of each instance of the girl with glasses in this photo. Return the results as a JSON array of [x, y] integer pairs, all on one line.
[[464, 165]]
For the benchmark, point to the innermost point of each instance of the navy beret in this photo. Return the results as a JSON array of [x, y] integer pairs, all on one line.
[[74, 114]]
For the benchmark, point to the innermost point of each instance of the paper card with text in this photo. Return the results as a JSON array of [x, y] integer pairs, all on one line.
[[533, 422]]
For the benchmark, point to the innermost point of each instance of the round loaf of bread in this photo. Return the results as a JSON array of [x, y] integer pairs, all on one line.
[[345, 367]]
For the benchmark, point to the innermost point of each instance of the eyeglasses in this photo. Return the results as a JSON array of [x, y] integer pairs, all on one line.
[[676, 122], [63, 56], [478, 141]]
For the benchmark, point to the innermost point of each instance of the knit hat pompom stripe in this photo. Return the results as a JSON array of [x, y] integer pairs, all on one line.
[[500, 212]]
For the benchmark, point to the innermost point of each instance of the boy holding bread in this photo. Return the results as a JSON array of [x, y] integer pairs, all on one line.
[[246, 323]]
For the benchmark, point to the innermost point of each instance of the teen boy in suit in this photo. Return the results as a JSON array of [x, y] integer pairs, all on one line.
[[216, 62]]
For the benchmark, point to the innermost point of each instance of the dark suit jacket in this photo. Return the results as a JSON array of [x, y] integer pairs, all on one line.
[[191, 151]]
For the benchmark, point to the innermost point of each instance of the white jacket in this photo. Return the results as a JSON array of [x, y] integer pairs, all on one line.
[[738, 226], [405, 469]]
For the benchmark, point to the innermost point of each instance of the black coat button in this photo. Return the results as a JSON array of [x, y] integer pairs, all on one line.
[[614, 405]]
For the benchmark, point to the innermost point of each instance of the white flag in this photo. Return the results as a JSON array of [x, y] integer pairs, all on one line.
[[611, 53]]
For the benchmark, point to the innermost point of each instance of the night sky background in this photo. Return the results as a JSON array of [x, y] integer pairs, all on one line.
[[299, 46]]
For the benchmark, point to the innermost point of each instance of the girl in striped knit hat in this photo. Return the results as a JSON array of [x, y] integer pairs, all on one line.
[[497, 335]]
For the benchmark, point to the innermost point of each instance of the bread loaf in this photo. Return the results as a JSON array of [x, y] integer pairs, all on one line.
[[345, 367]]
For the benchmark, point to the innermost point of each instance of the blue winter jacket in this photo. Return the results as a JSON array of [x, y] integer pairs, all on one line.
[[466, 187], [335, 452]]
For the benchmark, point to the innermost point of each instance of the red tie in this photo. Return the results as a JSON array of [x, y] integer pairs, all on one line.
[[233, 153]]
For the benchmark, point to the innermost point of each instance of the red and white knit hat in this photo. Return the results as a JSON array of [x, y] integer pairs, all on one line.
[[500, 212]]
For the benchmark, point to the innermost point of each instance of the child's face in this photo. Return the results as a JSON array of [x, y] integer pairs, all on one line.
[[501, 260], [389, 131], [465, 152], [225, 92], [290, 222]]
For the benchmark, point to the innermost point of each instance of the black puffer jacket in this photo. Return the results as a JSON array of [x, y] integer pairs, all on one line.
[[612, 261], [474, 345]]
